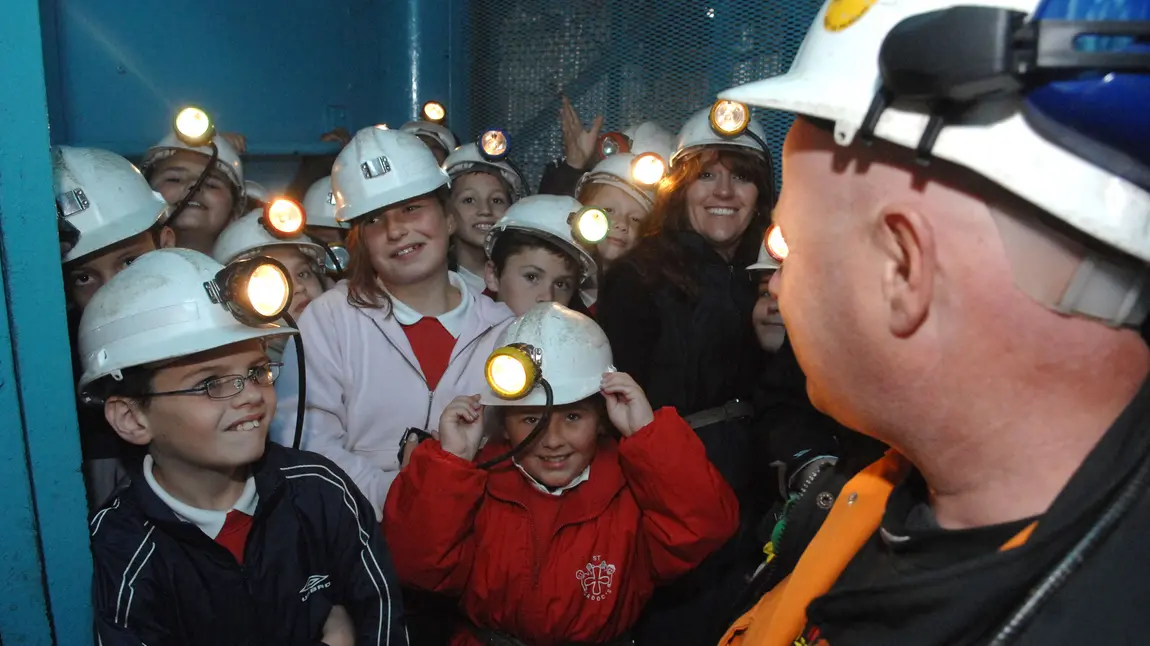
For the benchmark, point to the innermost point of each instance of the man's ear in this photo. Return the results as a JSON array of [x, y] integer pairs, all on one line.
[[906, 240], [490, 277], [129, 421], [167, 237]]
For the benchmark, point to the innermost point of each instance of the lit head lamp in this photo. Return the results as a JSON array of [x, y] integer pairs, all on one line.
[[256, 290], [590, 225], [434, 112], [494, 145], [194, 127], [775, 244], [612, 143], [730, 118], [514, 370], [284, 218], [648, 169]]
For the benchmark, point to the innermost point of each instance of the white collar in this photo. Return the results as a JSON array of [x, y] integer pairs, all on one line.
[[209, 521], [579, 479], [473, 280], [451, 321]]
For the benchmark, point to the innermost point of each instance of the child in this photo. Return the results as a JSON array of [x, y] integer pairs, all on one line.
[[481, 192], [319, 204], [565, 543], [534, 257], [116, 218], [438, 139], [391, 346], [611, 187], [220, 538], [248, 237], [172, 167]]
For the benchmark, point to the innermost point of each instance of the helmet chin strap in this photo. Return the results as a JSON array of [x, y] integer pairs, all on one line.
[[1113, 290], [540, 426], [1101, 285]]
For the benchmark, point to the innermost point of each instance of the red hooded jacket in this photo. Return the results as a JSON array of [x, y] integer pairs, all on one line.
[[555, 569]]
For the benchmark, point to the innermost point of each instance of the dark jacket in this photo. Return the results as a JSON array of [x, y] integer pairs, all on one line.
[[560, 178], [696, 354], [855, 587], [314, 543]]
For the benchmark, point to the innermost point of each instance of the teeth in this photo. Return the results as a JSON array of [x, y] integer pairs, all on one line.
[[554, 459], [483, 226], [721, 211], [405, 251], [247, 426]]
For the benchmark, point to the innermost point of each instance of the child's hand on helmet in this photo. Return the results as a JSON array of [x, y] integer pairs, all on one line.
[[461, 427], [627, 405]]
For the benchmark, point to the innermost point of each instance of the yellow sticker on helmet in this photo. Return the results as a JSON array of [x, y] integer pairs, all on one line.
[[844, 13]]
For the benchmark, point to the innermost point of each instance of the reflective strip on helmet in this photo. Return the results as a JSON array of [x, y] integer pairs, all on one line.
[[136, 324]]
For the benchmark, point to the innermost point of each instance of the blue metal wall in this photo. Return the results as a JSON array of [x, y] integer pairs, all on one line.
[[282, 73], [45, 569]]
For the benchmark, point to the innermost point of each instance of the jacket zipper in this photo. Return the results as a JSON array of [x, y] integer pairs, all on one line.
[[419, 373]]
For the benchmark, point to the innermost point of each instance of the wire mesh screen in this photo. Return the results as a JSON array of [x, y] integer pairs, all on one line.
[[629, 60]]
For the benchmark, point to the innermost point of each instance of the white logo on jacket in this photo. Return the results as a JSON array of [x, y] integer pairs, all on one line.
[[315, 583], [596, 578]]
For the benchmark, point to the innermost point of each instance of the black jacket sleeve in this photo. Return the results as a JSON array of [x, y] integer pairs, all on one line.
[[560, 178], [629, 317], [369, 586], [128, 602]]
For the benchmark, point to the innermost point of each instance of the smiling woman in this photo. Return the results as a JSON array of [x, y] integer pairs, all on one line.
[[677, 310]]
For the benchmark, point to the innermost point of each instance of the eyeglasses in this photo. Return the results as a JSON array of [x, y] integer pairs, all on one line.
[[231, 385]]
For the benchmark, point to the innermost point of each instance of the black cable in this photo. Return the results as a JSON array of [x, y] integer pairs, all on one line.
[[339, 268], [540, 426], [183, 204], [1060, 573], [301, 371]]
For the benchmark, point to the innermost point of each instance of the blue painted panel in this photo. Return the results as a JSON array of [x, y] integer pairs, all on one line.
[[282, 73], [39, 442]]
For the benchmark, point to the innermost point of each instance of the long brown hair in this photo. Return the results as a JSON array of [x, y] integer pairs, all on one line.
[[660, 257], [363, 286]]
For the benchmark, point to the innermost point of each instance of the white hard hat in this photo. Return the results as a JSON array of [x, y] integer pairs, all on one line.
[[772, 241], [256, 191], [549, 217], [228, 162], [650, 137], [467, 159], [158, 309], [698, 133], [437, 132], [104, 196], [836, 74], [248, 236], [615, 171], [572, 354], [319, 204], [381, 167]]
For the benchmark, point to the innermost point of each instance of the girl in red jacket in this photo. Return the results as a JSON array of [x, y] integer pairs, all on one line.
[[564, 543]]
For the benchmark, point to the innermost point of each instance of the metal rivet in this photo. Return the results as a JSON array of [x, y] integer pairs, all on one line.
[[825, 500], [851, 499]]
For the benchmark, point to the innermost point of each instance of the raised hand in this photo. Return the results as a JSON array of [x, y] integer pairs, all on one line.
[[578, 144], [461, 427], [627, 405]]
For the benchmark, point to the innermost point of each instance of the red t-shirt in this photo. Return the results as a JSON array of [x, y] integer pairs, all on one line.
[[432, 345], [234, 534]]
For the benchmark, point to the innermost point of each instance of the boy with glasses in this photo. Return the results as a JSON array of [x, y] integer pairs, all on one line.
[[222, 537]]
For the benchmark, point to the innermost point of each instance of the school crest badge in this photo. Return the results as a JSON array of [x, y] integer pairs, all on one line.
[[596, 578]]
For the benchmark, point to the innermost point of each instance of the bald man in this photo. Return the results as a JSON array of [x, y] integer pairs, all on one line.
[[968, 292]]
